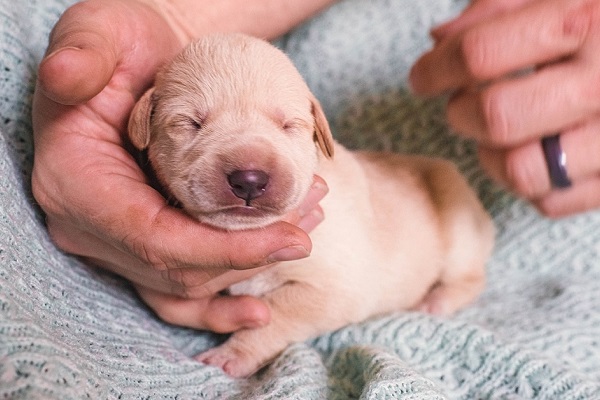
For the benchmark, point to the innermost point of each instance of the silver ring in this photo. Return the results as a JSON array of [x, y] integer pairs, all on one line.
[[556, 160]]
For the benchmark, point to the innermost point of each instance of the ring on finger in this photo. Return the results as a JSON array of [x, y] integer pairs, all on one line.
[[556, 161]]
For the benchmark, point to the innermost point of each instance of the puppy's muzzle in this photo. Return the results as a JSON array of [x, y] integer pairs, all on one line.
[[248, 184]]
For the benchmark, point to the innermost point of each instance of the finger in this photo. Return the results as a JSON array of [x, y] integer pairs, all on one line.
[[193, 283], [311, 220], [63, 75], [95, 39], [475, 12], [70, 239], [538, 33], [189, 282], [582, 146], [196, 244], [82, 57], [583, 196], [524, 170], [309, 215], [222, 314], [136, 219], [317, 192], [95, 251], [517, 110]]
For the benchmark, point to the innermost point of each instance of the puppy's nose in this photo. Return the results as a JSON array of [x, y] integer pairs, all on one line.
[[248, 184]]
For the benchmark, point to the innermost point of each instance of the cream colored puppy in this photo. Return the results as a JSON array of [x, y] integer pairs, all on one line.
[[235, 135]]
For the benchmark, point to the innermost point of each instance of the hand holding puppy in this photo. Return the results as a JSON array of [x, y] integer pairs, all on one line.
[[101, 57]]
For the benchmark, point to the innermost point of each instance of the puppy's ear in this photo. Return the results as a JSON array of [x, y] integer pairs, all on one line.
[[139, 121], [323, 134]]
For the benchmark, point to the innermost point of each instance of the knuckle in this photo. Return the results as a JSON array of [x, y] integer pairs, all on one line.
[[578, 22], [591, 89], [189, 281], [59, 237], [193, 292], [242, 260], [146, 243], [549, 209], [474, 54], [175, 310], [41, 195], [147, 252], [521, 175], [170, 313], [554, 206], [495, 120]]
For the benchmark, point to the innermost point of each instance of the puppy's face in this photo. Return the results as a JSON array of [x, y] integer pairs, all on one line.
[[230, 129]]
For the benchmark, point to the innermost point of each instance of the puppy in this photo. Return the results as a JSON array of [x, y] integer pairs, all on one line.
[[235, 136]]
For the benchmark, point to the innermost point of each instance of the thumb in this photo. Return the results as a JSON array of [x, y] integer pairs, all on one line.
[[94, 38], [74, 75], [80, 60]]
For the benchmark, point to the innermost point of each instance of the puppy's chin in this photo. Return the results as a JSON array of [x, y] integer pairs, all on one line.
[[238, 218]]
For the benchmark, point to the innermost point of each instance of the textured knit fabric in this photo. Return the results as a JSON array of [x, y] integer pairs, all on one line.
[[71, 332]]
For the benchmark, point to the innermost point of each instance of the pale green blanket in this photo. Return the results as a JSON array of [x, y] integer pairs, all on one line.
[[70, 332]]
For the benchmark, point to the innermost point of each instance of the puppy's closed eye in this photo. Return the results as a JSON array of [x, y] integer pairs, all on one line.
[[186, 121], [296, 125], [196, 124]]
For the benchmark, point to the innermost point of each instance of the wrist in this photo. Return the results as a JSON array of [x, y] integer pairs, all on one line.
[[267, 19]]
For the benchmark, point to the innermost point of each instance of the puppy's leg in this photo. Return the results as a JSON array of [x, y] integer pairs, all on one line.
[[298, 312], [468, 235]]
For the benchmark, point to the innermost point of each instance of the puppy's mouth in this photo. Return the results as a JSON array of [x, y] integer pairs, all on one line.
[[239, 217], [248, 210]]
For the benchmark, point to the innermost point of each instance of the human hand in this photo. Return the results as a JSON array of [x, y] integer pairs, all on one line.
[[101, 57], [517, 71]]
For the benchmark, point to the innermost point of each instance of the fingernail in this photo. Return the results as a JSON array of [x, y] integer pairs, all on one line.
[[317, 191], [288, 254]]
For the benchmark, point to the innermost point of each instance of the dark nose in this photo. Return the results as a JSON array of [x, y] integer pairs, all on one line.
[[249, 184]]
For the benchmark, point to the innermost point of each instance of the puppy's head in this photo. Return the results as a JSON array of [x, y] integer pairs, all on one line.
[[232, 131]]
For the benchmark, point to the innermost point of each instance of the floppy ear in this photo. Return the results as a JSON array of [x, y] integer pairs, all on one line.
[[323, 134], [139, 121]]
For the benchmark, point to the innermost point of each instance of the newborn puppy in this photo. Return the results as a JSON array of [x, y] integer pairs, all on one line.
[[235, 135]]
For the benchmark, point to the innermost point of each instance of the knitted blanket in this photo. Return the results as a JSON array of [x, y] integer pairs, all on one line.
[[68, 331]]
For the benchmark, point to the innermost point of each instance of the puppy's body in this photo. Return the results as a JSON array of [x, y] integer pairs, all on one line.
[[401, 232], [368, 236]]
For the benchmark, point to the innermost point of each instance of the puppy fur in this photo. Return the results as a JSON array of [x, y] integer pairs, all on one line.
[[400, 233]]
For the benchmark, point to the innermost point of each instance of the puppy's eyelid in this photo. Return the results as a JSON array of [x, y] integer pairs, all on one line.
[[195, 124], [187, 121], [294, 124]]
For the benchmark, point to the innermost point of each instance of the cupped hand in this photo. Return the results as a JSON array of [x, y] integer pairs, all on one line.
[[102, 55], [518, 71]]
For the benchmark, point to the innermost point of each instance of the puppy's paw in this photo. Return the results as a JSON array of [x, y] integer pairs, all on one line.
[[445, 299], [232, 361], [435, 303]]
